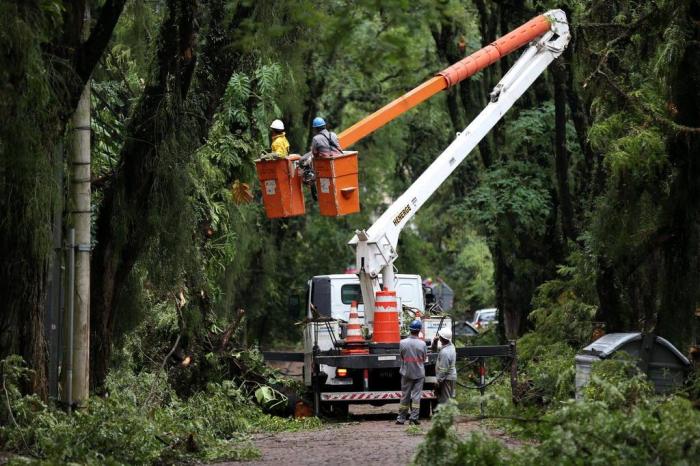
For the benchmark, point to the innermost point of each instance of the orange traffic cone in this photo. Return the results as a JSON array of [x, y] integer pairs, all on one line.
[[354, 341], [386, 318]]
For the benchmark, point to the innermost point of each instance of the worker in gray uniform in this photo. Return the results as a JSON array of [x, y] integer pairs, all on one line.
[[413, 351], [324, 143], [445, 369]]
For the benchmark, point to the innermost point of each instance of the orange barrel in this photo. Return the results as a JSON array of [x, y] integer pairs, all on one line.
[[281, 186], [386, 318], [354, 341], [337, 184]]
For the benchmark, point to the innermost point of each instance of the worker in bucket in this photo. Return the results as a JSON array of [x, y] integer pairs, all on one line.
[[324, 143], [445, 370], [413, 352], [280, 145]]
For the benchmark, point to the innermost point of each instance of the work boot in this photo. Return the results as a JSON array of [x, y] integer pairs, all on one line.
[[403, 414], [413, 417], [413, 422]]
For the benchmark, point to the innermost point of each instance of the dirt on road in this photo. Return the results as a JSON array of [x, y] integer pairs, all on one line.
[[370, 437]]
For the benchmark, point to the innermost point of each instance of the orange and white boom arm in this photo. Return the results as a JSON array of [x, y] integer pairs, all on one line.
[[448, 77], [375, 248]]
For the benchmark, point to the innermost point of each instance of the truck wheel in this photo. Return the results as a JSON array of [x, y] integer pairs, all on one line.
[[334, 410], [340, 410], [425, 409]]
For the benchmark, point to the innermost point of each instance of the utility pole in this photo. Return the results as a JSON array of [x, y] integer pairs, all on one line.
[[80, 219]]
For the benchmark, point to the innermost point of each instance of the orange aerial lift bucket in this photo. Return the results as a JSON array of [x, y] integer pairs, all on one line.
[[337, 184], [281, 186]]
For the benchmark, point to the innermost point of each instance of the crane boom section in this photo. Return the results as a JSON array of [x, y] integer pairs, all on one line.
[[376, 247], [448, 77]]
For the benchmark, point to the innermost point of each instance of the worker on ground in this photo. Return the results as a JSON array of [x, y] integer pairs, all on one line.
[[324, 143], [280, 145], [445, 370], [413, 352]]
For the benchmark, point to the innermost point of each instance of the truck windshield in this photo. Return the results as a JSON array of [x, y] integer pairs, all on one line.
[[350, 293]]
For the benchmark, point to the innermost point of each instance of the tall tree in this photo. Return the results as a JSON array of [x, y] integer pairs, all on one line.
[[171, 120], [640, 69], [44, 71]]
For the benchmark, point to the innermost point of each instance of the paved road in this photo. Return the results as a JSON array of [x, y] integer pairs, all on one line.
[[372, 439]]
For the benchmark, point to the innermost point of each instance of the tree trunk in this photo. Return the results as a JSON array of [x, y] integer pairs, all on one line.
[[445, 38], [681, 273], [24, 305], [123, 229], [34, 116], [561, 153], [610, 309], [580, 120]]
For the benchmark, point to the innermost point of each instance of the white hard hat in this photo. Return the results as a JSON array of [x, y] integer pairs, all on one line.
[[278, 125], [445, 333]]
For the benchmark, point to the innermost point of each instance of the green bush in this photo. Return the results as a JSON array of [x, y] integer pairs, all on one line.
[[547, 369], [564, 308], [618, 382], [439, 443], [620, 421], [142, 421], [443, 446], [661, 431]]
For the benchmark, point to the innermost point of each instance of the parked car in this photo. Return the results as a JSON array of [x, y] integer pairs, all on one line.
[[483, 318], [464, 329]]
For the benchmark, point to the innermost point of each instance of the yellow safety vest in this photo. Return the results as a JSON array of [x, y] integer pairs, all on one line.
[[280, 145]]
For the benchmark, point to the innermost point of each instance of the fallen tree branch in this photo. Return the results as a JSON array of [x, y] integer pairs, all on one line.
[[11, 414], [162, 368], [466, 419], [170, 353], [226, 336]]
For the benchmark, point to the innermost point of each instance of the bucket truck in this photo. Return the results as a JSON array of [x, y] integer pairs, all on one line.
[[338, 377]]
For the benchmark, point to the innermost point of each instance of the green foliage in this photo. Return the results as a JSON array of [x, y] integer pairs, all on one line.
[[548, 369], [437, 448], [443, 445], [619, 421], [514, 192], [472, 274], [128, 427], [592, 433], [414, 430], [634, 153], [564, 308], [637, 82], [28, 110], [618, 382]]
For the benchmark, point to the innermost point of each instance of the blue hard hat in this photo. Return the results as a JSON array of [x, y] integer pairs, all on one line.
[[416, 325], [318, 122]]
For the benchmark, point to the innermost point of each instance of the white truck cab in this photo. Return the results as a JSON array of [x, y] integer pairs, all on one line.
[[332, 295]]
